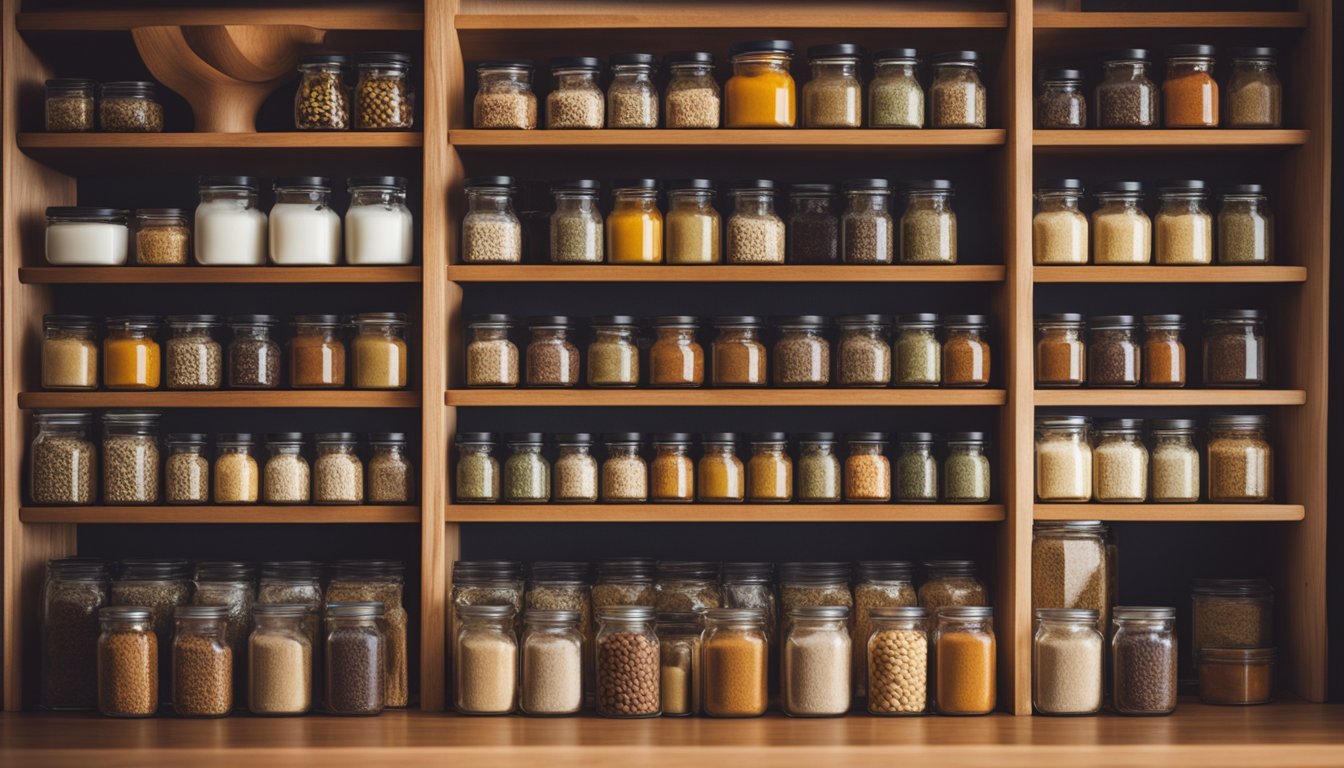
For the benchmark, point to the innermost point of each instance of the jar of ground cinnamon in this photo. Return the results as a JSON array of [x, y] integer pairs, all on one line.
[[676, 359], [317, 352], [1061, 353], [1190, 94], [1163, 351], [965, 351]]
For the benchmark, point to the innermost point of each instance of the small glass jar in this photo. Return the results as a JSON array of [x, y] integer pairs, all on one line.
[[286, 477], [1060, 103], [1063, 459], [956, 96], [692, 93], [574, 475], [687, 586], [1245, 226], [69, 352], [878, 585], [230, 228], [195, 359], [383, 97], [734, 652], [280, 661], [833, 98], [1231, 613], [380, 350], [576, 224], [552, 359], [477, 478], [1126, 97], [1163, 351], [679, 663], [1236, 676], [770, 471], [504, 97], [965, 352], [527, 475], [692, 223], [69, 105], [1240, 460], [320, 103], [202, 662], [1174, 461], [576, 101], [820, 476], [898, 661], [1059, 228], [379, 227], [1234, 348], [814, 227], [676, 359], [632, 98], [806, 585], [1067, 662], [130, 106], [867, 223], [131, 356], [895, 97], [964, 657], [131, 457], [613, 354], [801, 353], [552, 663], [1254, 93], [391, 476], [761, 92], [83, 236], [628, 662], [492, 359], [485, 660], [624, 581], [254, 356], [739, 356], [127, 662], [162, 237], [1189, 92], [1184, 224], [672, 472], [1113, 352], [1143, 658], [491, 231], [1120, 461], [74, 596], [756, 234], [916, 468], [863, 351], [816, 676], [966, 472], [236, 478], [918, 354], [62, 460], [867, 470], [304, 230], [317, 353], [1122, 233], [356, 659], [338, 473], [721, 474], [929, 225], [635, 225], [1061, 352], [186, 471], [625, 474]]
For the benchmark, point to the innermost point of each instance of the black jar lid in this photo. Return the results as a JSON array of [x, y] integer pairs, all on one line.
[[634, 184], [807, 321], [689, 57], [955, 57], [576, 62], [914, 437], [753, 185], [674, 321], [614, 320], [526, 64], [701, 184], [1158, 425], [893, 54], [1163, 319], [916, 318], [524, 437], [161, 213], [317, 319], [1125, 187], [866, 437], [576, 185], [249, 182], [1128, 425], [191, 319], [391, 182], [964, 437], [335, 437], [187, 438], [1061, 184], [1255, 52], [68, 321], [816, 437], [762, 46], [622, 437], [1244, 189], [731, 321], [490, 318], [284, 437], [811, 189], [767, 437], [70, 82], [1111, 320], [544, 321], [1235, 314], [629, 59], [672, 438], [475, 437], [83, 212], [718, 437], [1238, 421], [302, 181], [964, 320], [834, 50], [1059, 317], [862, 184], [1066, 75], [234, 437], [574, 438], [324, 58], [392, 58], [387, 437], [1183, 185], [488, 181], [1062, 421], [921, 185], [861, 319], [252, 320], [1188, 49], [1126, 54]]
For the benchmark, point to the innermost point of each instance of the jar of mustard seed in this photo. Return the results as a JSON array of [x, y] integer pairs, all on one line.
[[613, 354], [770, 471], [676, 358], [1245, 226], [919, 356]]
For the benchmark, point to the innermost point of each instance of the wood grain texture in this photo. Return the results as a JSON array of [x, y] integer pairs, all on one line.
[[166, 142], [1182, 140], [1173, 513], [723, 513], [719, 17], [198, 275], [1171, 397], [664, 139], [1170, 20], [727, 397], [212, 514], [288, 398], [723, 273], [98, 20], [1096, 273]]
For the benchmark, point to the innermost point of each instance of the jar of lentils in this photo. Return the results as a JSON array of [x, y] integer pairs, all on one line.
[[863, 352], [1126, 97], [574, 474], [755, 231], [895, 97], [919, 356], [527, 475], [491, 231], [477, 478], [131, 457], [867, 225], [576, 101], [692, 93], [833, 98]]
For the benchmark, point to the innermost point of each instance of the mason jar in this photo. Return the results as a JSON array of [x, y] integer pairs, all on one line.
[[484, 583], [692, 223], [739, 357], [628, 667], [1231, 613], [895, 96], [1059, 227], [236, 478], [867, 225], [1113, 353], [379, 350], [552, 663], [867, 470], [770, 470], [131, 457], [231, 585], [527, 475], [676, 358], [1072, 567], [1163, 351], [966, 471], [1061, 350], [624, 581], [814, 227], [391, 476], [84, 236], [576, 100], [1245, 226], [1143, 658], [1254, 93], [492, 358], [186, 471], [951, 582], [195, 358], [69, 352], [916, 468], [956, 96], [317, 352], [504, 97], [161, 236], [230, 229], [304, 230], [1175, 461], [1120, 461], [878, 585], [625, 474], [734, 666], [864, 355], [379, 227], [1240, 459], [286, 478], [806, 585], [564, 586], [671, 472], [964, 660], [919, 356], [965, 352], [491, 231], [1235, 348], [356, 659], [576, 224], [320, 103], [1063, 459], [897, 661], [833, 98], [1189, 92], [1127, 97], [635, 224], [1122, 233], [929, 225], [721, 474], [755, 232], [74, 595], [127, 661], [130, 106], [1059, 100], [254, 355], [383, 97], [280, 661], [477, 478], [1067, 654], [820, 476], [1184, 224], [613, 354], [680, 663], [70, 105], [801, 353], [162, 586], [203, 662], [632, 98], [575, 473], [338, 473], [816, 658], [761, 92], [485, 660], [692, 99], [131, 355]]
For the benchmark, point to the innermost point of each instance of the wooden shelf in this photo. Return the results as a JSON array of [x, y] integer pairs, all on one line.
[[723, 273], [1169, 20], [736, 398], [1173, 513], [97, 20], [729, 139], [36, 143], [725, 513], [286, 398], [1096, 273], [1210, 139], [207, 513], [209, 275], [718, 16], [79, 154], [1171, 397]]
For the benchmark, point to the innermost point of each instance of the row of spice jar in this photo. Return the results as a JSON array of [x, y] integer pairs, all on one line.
[[231, 230], [382, 97], [63, 465], [1110, 462], [636, 231], [739, 357], [212, 640], [864, 475], [1127, 97], [126, 106], [133, 359], [1123, 233], [760, 94], [1112, 355]]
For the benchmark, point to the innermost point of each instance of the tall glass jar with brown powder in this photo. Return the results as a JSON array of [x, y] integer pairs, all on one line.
[[127, 663], [1189, 92], [73, 594], [380, 581], [1163, 351], [1061, 352], [676, 358], [1071, 568], [672, 473], [965, 351], [1113, 351], [734, 662], [317, 352], [161, 586], [1127, 97], [1234, 348], [1143, 658], [739, 355], [964, 660], [355, 653], [233, 586], [721, 474]]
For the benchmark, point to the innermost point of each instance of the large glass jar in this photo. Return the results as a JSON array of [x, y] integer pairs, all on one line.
[[624, 581], [1163, 351], [814, 228], [1231, 613], [1184, 224], [918, 354], [383, 97], [1122, 233], [1174, 461], [816, 654], [752, 585], [576, 224], [878, 585], [69, 352], [929, 225], [965, 352], [833, 98], [552, 665], [964, 657], [576, 100], [202, 662], [127, 662], [69, 105], [895, 97], [492, 359], [230, 228], [1245, 226], [320, 103], [161, 586], [1061, 352], [236, 477], [801, 353], [632, 98], [380, 350], [1067, 662], [161, 236], [676, 358], [613, 354], [867, 470], [805, 585], [1234, 348], [1189, 92], [756, 234], [484, 582], [687, 586], [1063, 459], [74, 592], [692, 93], [563, 586], [391, 476], [692, 223], [130, 106], [232, 586], [80, 236], [1120, 461], [195, 358], [485, 660], [575, 473], [916, 468], [761, 92], [819, 471], [356, 653], [280, 661], [338, 473], [1113, 352], [956, 96], [628, 662], [672, 473], [950, 583], [897, 661], [504, 97], [131, 356], [491, 231], [1059, 228], [1143, 655], [966, 472], [863, 351], [254, 356], [635, 225], [739, 357], [317, 352], [304, 230], [1059, 100], [1241, 460], [721, 475], [477, 478], [1254, 93], [378, 224], [293, 582], [679, 663], [770, 471], [131, 457], [734, 652], [527, 475], [286, 477], [1071, 568], [1126, 96], [380, 581], [625, 474], [867, 223]]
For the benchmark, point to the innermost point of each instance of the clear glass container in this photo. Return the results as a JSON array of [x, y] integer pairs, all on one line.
[[687, 586], [897, 656], [625, 474], [919, 355], [864, 355], [552, 663], [280, 661], [82, 236], [628, 662], [576, 224], [1060, 103], [504, 97], [966, 470], [770, 470], [752, 585], [492, 359], [1143, 658], [69, 352], [679, 663], [131, 457], [563, 586], [317, 352], [230, 229], [195, 358], [237, 479], [624, 581], [485, 582], [1059, 228], [956, 95], [1189, 92], [69, 105], [739, 356], [916, 468], [867, 470], [950, 583], [1174, 461], [1231, 613], [321, 102], [805, 585], [867, 225], [929, 225], [1240, 459], [254, 356], [491, 230], [477, 476], [485, 660], [527, 475], [1245, 226], [756, 234], [130, 106], [813, 227], [1126, 97], [1184, 224], [1072, 568], [1254, 93], [383, 96], [816, 657], [878, 585], [1061, 351], [1236, 676], [552, 359], [635, 224], [613, 354], [820, 476], [1163, 351], [131, 356], [801, 352], [632, 98], [965, 352], [721, 474], [761, 93], [1067, 654], [202, 662], [734, 652], [186, 471], [1122, 232], [338, 473], [127, 662], [895, 96], [286, 477], [1235, 348], [692, 93], [692, 223], [304, 230], [833, 98], [379, 226], [1120, 461], [74, 595], [391, 477], [672, 472], [161, 586], [964, 660], [1113, 353], [576, 101], [162, 236], [380, 350], [356, 659], [231, 585], [575, 474], [1063, 458]]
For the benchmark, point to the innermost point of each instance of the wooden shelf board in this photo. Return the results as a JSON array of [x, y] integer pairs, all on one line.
[[1173, 513], [724, 513], [209, 275], [735, 18], [287, 398], [723, 273], [1171, 397], [1096, 273], [206, 513], [736, 398], [97, 20], [728, 139], [287, 140], [1176, 139], [1169, 20]]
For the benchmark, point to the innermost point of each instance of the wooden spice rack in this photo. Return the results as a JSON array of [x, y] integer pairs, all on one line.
[[993, 169]]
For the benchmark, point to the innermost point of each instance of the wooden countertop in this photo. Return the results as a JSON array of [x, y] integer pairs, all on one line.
[[1278, 734]]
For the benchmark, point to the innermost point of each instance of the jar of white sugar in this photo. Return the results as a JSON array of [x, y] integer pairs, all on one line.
[[378, 225], [81, 236], [305, 231], [230, 229], [552, 681]]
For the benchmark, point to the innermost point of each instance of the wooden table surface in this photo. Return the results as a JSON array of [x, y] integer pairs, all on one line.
[[1286, 734]]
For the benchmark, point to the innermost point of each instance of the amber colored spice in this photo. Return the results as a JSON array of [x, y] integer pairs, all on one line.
[[734, 665], [965, 672], [672, 477], [965, 361], [1229, 682], [673, 364], [1163, 363], [1059, 361], [1191, 100], [722, 478]]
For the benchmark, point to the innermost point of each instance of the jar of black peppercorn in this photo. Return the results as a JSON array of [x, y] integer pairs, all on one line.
[[1059, 100], [1126, 97], [814, 228], [254, 357], [1113, 351], [1143, 655]]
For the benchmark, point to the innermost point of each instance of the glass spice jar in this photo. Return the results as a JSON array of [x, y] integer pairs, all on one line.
[[916, 468], [692, 223], [816, 658], [552, 359], [897, 661], [1245, 226], [1113, 358], [161, 586], [1061, 352], [69, 352], [1184, 224], [527, 475], [770, 470], [672, 473], [628, 662], [625, 474], [127, 662], [485, 660], [864, 355], [966, 472], [84, 236], [231, 585], [1189, 92], [552, 666], [74, 594], [484, 583], [1231, 613], [964, 660], [956, 96], [676, 359], [929, 225], [477, 478], [613, 354], [1126, 97], [131, 356], [1122, 233], [379, 350], [739, 357], [895, 97], [632, 98], [236, 480], [356, 659], [734, 652], [867, 470], [131, 457], [801, 353], [379, 226], [254, 357], [1119, 461], [814, 228], [504, 97], [317, 352], [1063, 458], [1143, 659], [755, 232], [1240, 459], [320, 103], [186, 471], [338, 473], [1060, 103], [1236, 676], [280, 661], [69, 105], [635, 225], [576, 224], [721, 474], [202, 662], [391, 476], [161, 236], [230, 227], [565, 586], [492, 359], [491, 231], [286, 477], [867, 225], [130, 106], [383, 97], [1163, 351], [304, 230], [761, 92], [833, 98], [574, 475], [1072, 567], [1174, 461], [624, 581], [1067, 654], [576, 100], [1059, 228], [805, 585], [919, 356], [62, 460], [965, 351], [819, 470], [752, 585], [692, 93], [195, 359], [679, 663], [1254, 93], [1234, 348]]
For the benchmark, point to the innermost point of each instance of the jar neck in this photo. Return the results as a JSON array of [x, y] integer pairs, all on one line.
[[1184, 65], [635, 201], [768, 449], [690, 200], [1125, 70], [1058, 201], [317, 330], [1126, 202], [614, 333], [817, 446], [384, 196], [928, 200], [252, 332], [967, 447], [575, 202], [756, 203], [627, 73], [1069, 332], [477, 449], [286, 449], [1061, 86], [574, 449], [868, 202], [896, 68], [866, 449], [671, 449], [692, 70], [760, 62], [623, 450], [244, 197], [839, 67], [574, 78], [482, 201], [820, 204], [550, 334], [490, 332], [389, 450], [739, 333], [504, 75], [302, 196], [719, 449], [520, 449], [679, 335]]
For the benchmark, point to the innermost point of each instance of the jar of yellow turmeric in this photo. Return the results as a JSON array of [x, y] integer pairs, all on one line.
[[760, 94], [131, 356], [672, 473], [635, 225], [770, 471], [721, 474]]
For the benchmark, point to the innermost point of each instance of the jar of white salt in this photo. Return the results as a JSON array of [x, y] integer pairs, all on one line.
[[230, 229], [305, 231], [378, 223]]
